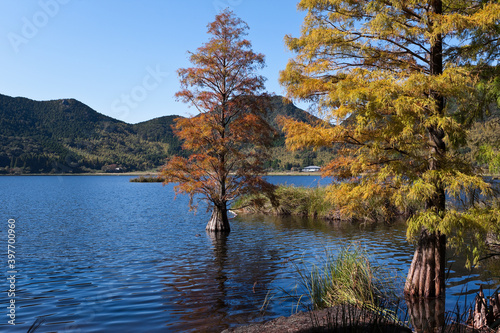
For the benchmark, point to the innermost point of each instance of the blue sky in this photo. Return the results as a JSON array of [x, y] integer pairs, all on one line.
[[120, 56]]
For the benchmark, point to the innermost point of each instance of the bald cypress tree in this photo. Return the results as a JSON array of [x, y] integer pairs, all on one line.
[[228, 138], [387, 74]]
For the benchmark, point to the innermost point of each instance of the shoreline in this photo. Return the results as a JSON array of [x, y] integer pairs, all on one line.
[[155, 173], [148, 173]]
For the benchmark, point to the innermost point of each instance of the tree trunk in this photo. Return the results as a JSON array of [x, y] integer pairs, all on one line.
[[485, 315], [219, 221], [426, 277]]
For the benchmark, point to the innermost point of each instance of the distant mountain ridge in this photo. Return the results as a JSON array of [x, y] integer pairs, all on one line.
[[67, 136]]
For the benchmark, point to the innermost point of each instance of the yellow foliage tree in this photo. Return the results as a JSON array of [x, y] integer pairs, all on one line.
[[385, 76]]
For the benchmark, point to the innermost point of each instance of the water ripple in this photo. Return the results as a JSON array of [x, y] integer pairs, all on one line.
[[100, 254]]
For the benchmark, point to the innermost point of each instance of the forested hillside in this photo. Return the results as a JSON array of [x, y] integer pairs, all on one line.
[[67, 136]]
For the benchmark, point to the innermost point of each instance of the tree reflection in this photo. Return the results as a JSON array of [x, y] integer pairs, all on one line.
[[223, 287], [427, 314], [219, 244]]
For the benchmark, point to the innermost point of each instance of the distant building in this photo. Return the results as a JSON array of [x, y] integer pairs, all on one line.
[[311, 168]]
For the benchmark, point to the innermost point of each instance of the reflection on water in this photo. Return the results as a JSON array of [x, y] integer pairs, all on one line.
[[427, 315], [100, 254], [228, 288]]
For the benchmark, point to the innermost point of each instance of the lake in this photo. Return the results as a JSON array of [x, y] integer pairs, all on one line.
[[101, 254]]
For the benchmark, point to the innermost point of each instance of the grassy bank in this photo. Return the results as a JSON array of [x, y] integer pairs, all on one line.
[[299, 201], [314, 202]]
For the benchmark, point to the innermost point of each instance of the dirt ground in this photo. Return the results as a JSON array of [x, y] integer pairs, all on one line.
[[338, 319]]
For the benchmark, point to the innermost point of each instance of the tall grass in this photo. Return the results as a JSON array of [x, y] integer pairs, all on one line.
[[360, 295], [348, 293], [347, 278]]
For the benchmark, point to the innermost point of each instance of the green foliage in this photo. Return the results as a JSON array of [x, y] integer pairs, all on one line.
[[490, 156], [284, 160], [483, 146], [160, 130], [466, 229]]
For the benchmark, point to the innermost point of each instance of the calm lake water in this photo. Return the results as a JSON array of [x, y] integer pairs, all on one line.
[[101, 254]]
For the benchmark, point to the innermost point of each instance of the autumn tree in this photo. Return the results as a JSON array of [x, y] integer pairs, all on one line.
[[227, 140], [395, 82]]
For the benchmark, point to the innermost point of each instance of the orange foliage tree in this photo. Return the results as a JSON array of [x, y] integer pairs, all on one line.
[[228, 138]]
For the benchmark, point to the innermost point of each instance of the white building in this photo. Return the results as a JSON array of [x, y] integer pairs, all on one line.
[[311, 168]]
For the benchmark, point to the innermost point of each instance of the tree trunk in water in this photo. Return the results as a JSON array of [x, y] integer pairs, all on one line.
[[426, 277], [219, 221]]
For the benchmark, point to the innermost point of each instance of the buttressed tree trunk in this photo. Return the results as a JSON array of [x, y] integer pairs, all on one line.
[[426, 276], [219, 221]]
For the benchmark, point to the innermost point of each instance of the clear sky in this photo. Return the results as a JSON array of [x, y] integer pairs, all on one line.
[[120, 56]]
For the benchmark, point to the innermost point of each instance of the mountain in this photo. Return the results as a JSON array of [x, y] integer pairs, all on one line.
[[60, 118], [281, 106], [67, 136], [160, 130]]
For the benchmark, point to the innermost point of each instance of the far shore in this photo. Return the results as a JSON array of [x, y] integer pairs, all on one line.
[[138, 173], [152, 174], [155, 173]]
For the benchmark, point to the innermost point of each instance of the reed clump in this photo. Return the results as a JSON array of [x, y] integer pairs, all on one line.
[[147, 179], [348, 277]]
